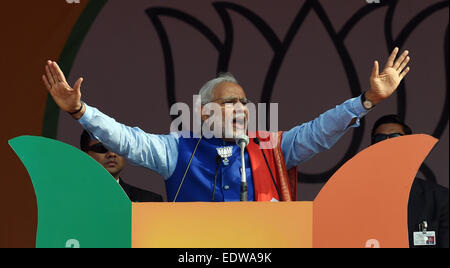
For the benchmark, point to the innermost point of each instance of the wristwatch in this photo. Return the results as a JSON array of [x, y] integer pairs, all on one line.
[[365, 102]]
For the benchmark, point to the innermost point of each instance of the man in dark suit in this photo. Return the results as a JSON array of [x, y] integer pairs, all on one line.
[[114, 164], [428, 201]]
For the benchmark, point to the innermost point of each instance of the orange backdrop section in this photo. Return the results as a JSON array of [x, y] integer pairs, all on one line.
[[366, 200], [223, 225], [32, 32]]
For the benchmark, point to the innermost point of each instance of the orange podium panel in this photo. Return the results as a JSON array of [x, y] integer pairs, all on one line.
[[365, 203], [222, 225]]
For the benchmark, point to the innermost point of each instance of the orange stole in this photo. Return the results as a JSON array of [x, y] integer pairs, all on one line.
[[262, 180]]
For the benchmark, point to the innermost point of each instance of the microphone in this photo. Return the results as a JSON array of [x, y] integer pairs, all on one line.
[[256, 140], [187, 169], [242, 141]]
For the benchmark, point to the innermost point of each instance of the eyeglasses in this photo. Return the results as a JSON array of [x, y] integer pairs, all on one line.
[[381, 137], [243, 101], [98, 148]]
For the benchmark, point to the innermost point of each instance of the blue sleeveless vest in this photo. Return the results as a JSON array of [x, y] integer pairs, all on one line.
[[199, 181]]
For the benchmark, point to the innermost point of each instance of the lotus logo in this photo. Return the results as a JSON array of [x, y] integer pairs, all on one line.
[[224, 153], [305, 55], [282, 46]]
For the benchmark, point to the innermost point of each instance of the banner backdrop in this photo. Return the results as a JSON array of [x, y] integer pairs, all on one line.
[[139, 57]]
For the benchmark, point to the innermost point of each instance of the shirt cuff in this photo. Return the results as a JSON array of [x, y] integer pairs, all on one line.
[[357, 107], [87, 116]]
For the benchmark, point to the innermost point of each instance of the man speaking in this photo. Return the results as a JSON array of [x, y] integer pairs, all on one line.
[[214, 167]]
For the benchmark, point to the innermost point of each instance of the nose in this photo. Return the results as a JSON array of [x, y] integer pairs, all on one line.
[[110, 154], [240, 107]]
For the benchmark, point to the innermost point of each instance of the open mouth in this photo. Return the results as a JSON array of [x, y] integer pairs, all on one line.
[[238, 122], [239, 119]]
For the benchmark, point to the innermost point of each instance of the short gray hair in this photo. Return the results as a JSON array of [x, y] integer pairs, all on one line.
[[207, 90]]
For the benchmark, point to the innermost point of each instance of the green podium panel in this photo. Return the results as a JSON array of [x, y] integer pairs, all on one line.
[[79, 202]]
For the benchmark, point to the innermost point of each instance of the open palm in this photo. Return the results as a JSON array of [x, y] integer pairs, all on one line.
[[66, 97], [383, 85]]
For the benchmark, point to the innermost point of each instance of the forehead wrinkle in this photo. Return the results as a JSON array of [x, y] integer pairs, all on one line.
[[234, 88]]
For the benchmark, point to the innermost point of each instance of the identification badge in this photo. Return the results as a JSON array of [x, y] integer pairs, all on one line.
[[427, 238]]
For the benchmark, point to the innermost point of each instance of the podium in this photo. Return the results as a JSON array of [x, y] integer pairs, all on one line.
[[364, 204]]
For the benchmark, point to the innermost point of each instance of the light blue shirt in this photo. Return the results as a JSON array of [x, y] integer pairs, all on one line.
[[160, 152]]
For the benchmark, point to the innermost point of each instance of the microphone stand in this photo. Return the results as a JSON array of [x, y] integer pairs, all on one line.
[[242, 142], [187, 169], [243, 176]]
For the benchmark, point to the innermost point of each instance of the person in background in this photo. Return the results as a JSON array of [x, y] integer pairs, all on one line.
[[428, 201], [114, 164]]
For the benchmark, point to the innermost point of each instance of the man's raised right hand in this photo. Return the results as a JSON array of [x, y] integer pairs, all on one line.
[[68, 99]]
